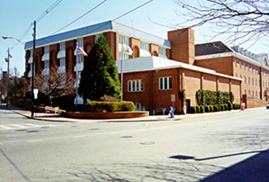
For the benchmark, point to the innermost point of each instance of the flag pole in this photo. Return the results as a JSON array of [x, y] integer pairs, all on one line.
[[76, 75], [121, 74]]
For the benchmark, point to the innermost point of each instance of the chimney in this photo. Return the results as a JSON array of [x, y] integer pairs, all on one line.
[[182, 45]]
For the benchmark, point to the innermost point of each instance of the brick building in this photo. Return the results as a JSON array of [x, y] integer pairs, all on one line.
[[158, 69]]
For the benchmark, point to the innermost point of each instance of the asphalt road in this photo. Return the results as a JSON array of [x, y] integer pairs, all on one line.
[[231, 146]]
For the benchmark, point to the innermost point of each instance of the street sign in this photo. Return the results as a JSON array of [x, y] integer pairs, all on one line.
[[173, 98], [35, 93]]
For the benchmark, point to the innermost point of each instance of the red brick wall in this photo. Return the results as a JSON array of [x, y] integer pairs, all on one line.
[[135, 45], [209, 82], [223, 84], [192, 83], [222, 65], [70, 58], [182, 45]]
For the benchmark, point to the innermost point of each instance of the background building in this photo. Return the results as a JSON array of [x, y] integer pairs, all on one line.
[[158, 68]]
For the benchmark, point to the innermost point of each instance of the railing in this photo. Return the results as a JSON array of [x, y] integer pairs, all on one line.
[[53, 109], [159, 110]]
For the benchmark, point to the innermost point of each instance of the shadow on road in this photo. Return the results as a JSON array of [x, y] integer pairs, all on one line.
[[255, 168]]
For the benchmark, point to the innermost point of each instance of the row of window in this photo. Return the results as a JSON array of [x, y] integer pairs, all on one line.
[[144, 49], [250, 68], [253, 82], [165, 83]]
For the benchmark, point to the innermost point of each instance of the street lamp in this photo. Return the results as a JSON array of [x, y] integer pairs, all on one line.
[[7, 37], [8, 60]]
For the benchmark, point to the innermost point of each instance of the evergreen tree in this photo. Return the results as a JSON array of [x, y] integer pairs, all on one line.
[[100, 74]]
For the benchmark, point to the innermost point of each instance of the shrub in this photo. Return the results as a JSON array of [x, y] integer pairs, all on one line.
[[215, 108], [226, 106], [198, 109], [100, 106], [193, 109], [207, 109], [202, 109]]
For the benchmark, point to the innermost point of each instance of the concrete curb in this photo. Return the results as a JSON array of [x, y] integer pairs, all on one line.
[[56, 118]]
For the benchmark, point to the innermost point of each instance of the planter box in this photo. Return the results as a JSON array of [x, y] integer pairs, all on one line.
[[106, 115]]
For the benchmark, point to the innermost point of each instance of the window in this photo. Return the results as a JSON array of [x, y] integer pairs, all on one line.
[[252, 81], [245, 91], [46, 64], [126, 41], [80, 59], [244, 66], [80, 42], [240, 64], [46, 50], [236, 75], [162, 52], [62, 46], [62, 62], [256, 82], [135, 85], [256, 94], [165, 83], [46, 55], [144, 49], [248, 80], [245, 79], [97, 36]]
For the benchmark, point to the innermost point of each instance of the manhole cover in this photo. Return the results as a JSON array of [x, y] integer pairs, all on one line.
[[147, 143], [94, 128]]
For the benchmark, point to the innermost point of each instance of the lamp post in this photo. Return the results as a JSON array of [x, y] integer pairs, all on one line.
[[8, 60]]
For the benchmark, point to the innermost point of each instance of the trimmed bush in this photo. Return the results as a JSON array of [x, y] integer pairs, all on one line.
[[193, 109], [100, 106], [198, 109], [207, 109], [202, 109], [215, 108]]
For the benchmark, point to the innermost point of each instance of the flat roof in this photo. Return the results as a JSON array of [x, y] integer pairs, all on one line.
[[157, 63], [98, 29]]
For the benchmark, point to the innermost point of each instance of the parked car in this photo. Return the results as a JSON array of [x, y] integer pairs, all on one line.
[[267, 106]]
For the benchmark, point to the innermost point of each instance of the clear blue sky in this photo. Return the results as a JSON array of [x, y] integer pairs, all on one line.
[[17, 16]]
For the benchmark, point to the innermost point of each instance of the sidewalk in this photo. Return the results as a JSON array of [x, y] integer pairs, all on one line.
[[55, 118]]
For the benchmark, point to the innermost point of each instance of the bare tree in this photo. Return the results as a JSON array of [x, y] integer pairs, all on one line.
[[55, 84], [242, 20]]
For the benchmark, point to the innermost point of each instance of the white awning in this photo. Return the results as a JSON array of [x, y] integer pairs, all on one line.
[[78, 67], [46, 57], [30, 60], [144, 53], [76, 83], [46, 71], [61, 69], [61, 54], [78, 100], [30, 74]]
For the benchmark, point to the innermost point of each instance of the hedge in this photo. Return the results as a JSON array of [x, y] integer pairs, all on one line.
[[104, 106], [212, 108], [207, 97]]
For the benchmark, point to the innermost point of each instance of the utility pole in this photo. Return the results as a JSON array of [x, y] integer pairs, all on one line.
[[8, 60], [33, 69]]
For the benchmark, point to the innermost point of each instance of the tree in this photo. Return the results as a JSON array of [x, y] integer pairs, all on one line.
[[18, 87], [240, 19], [100, 74], [55, 84]]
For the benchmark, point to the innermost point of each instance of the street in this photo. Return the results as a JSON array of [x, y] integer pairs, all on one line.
[[227, 146]]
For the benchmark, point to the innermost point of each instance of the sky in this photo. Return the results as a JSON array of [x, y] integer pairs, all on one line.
[[157, 17]]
